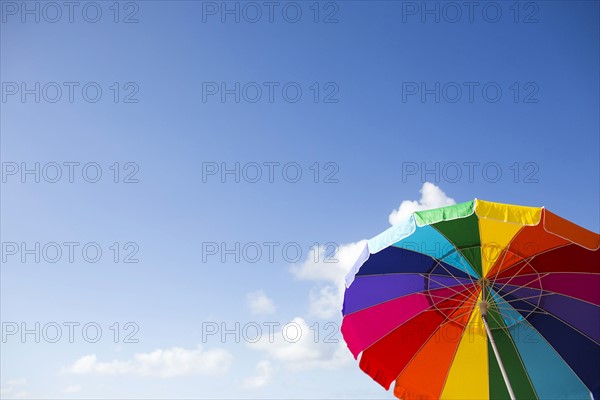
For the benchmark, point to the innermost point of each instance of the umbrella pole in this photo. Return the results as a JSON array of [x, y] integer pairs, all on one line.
[[483, 306]]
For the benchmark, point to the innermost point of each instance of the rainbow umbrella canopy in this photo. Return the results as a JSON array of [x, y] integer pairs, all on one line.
[[478, 300]]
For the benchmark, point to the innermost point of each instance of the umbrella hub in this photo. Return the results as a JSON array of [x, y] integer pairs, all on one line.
[[484, 304]]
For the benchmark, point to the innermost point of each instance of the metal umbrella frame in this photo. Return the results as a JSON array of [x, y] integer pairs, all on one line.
[[481, 272]]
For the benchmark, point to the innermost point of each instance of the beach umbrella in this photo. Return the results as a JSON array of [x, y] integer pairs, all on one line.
[[478, 300]]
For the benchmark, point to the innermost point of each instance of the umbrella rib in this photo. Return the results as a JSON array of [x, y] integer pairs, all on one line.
[[450, 287], [461, 258], [536, 310], [446, 321], [404, 273], [549, 292], [495, 305], [542, 276], [423, 292], [508, 247], [513, 276], [544, 273], [519, 287], [447, 297], [506, 251], [536, 277], [446, 269], [455, 318], [551, 347], [457, 251], [544, 312], [454, 354], [471, 279], [531, 257], [459, 280], [511, 262], [455, 307], [528, 297], [408, 321], [498, 308]]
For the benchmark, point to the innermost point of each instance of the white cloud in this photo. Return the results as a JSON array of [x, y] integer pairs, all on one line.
[[260, 304], [72, 389], [326, 297], [431, 197], [159, 363], [16, 382], [13, 389], [264, 375], [325, 300], [328, 264], [297, 348]]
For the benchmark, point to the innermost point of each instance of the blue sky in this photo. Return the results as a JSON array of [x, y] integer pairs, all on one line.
[[365, 130]]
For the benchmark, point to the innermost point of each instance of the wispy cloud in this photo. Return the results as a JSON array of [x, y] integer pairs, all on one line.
[[72, 389], [14, 389], [294, 345], [260, 304], [329, 271], [264, 375], [326, 297], [158, 363]]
